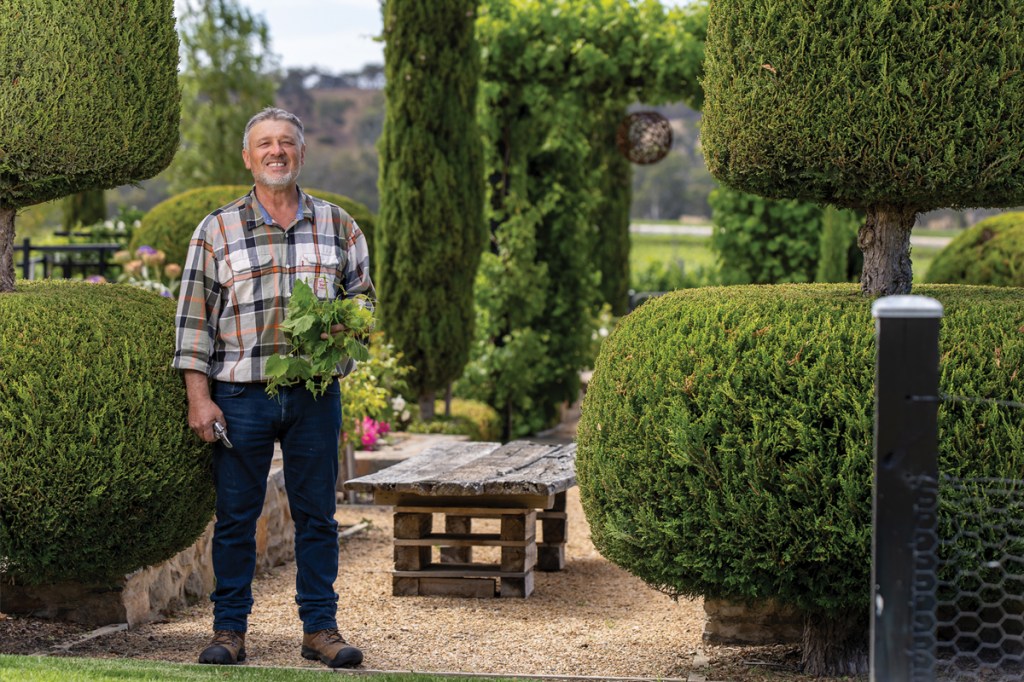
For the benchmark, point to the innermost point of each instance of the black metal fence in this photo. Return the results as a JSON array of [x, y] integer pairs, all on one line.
[[947, 593], [67, 260]]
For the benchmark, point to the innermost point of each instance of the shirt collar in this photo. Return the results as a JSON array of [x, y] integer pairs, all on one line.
[[305, 209]]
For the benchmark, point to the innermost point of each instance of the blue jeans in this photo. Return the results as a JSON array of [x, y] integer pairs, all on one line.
[[309, 431]]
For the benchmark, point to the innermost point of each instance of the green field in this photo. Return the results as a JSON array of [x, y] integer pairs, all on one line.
[[695, 252], [649, 248]]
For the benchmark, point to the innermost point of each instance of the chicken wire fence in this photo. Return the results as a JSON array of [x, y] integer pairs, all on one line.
[[947, 552], [969, 580]]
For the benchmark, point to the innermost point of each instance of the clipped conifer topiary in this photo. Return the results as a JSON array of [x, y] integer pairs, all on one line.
[[989, 252], [89, 100], [170, 224], [99, 472], [432, 229], [725, 445], [894, 108]]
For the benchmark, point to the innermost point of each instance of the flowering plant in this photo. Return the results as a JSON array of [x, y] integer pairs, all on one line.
[[146, 269], [371, 396], [372, 432]]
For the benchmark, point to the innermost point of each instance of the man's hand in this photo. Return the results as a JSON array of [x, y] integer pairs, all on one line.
[[335, 330], [202, 415], [202, 411]]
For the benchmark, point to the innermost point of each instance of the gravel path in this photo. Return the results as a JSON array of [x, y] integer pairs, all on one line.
[[590, 620]]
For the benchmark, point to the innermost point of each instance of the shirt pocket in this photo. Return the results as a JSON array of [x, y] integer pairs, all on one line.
[[244, 269], [318, 267]]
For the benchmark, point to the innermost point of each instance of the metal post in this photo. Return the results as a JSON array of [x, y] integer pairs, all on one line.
[[26, 263], [906, 475]]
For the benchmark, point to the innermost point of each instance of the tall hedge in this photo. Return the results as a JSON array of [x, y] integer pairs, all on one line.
[[890, 107], [99, 472], [557, 79], [725, 445], [432, 229], [89, 100], [169, 225], [989, 252]]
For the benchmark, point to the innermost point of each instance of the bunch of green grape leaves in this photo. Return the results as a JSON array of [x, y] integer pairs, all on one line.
[[310, 358]]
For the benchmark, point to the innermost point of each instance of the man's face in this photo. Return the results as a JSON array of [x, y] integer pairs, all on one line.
[[275, 155]]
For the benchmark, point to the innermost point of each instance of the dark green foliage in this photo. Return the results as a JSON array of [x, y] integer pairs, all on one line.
[[912, 103], [840, 260], [89, 97], [83, 209], [99, 472], [557, 80], [763, 241], [227, 76], [726, 439], [170, 224], [990, 252], [431, 188], [610, 235]]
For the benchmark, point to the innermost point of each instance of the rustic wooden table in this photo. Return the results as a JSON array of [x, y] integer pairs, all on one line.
[[519, 483]]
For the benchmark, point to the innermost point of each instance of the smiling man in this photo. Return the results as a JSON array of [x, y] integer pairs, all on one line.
[[243, 261]]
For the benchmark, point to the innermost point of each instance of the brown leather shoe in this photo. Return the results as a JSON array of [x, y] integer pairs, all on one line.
[[226, 648], [331, 648]]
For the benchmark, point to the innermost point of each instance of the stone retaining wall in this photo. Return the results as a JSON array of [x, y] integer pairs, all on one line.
[[150, 593]]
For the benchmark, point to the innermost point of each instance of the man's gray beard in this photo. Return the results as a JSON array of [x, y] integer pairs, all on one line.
[[264, 179]]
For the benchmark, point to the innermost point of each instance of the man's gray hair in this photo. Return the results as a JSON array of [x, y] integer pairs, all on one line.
[[272, 114]]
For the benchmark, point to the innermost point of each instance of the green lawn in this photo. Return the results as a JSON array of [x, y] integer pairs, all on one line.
[[54, 669]]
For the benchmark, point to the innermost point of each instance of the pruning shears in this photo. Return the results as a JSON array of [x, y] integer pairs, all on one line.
[[222, 434]]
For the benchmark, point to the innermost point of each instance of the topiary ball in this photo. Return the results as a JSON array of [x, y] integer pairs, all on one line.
[[169, 225], [990, 252], [725, 443], [99, 472]]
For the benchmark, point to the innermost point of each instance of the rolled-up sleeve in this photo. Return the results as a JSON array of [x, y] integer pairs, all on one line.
[[198, 303], [357, 271]]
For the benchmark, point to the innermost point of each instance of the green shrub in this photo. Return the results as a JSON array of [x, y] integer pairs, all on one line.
[[99, 472], [170, 224], [991, 252], [470, 418], [725, 446], [765, 241]]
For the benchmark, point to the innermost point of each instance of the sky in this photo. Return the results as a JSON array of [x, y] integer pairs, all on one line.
[[335, 35]]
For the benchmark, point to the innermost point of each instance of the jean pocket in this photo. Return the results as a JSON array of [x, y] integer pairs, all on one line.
[[227, 389]]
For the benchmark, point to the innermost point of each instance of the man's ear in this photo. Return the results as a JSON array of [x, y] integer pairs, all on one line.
[[245, 158]]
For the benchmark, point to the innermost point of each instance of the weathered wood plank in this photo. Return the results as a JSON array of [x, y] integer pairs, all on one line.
[[422, 466], [550, 557], [517, 587], [454, 540], [461, 571], [458, 528], [519, 467], [411, 558], [479, 588]]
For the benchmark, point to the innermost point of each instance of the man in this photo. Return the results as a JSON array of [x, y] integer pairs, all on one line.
[[243, 261]]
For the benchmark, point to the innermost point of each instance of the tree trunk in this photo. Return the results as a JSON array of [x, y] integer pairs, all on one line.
[[884, 239], [6, 249], [836, 646], [426, 402]]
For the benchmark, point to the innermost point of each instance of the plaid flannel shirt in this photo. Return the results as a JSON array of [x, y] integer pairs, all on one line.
[[239, 275]]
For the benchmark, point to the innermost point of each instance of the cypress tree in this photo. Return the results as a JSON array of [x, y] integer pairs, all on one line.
[[892, 107], [90, 99], [84, 208], [431, 230]]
